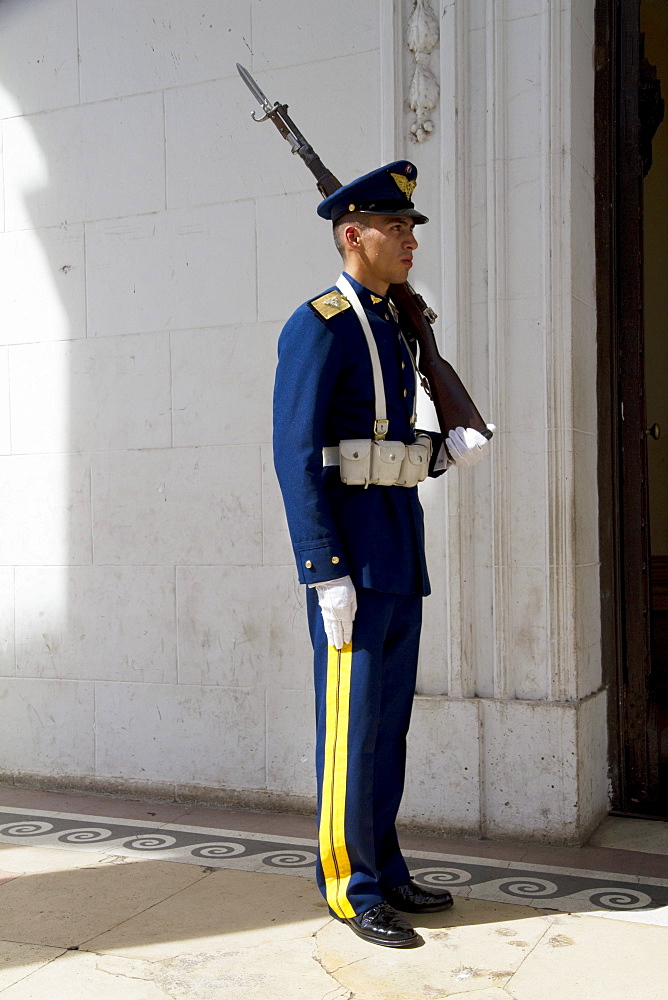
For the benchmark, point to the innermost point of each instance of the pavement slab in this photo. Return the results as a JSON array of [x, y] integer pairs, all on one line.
[[475, 947], [76, 976], [22, 860], [588, 958], [282, 970], [64, 908], [622, 833], [234, 909], [17, 961]]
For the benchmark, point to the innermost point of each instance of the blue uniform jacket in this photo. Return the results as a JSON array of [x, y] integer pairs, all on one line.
[[324, 393]]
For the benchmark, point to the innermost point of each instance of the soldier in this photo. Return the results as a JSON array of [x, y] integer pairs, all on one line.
[[348, 458]]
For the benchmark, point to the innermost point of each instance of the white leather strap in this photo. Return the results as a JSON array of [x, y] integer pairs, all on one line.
[[382, 423]]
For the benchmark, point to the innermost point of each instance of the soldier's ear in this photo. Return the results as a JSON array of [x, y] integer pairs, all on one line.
[[351, 235]]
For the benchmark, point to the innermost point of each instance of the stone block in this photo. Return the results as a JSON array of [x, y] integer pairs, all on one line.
[[7, 657], [109, 392], [593, 792], [289, 229], [217, 153], [5, 435], [522, 453], [277, 548], [584, 365], [242, 626], [185, 734], [585, 475], [291, 741], [442, 772], [38, 54], [222, 384], [514, 9], [433, 664], [523, 220], [58, 165], [583, 12], [113, 623], [47, 726], [588, 628], [45, 510], [44, 294], [297, 37], [524, 670], [2, 187], [524, 55], [582, 84], [129, 48], [530, 771], [172, 271], [188, 506], [583, 239]]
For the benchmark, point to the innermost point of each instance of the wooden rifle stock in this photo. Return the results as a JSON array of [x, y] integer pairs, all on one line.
[[454, 407]]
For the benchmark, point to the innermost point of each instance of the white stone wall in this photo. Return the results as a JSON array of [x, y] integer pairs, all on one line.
[[152, 241]]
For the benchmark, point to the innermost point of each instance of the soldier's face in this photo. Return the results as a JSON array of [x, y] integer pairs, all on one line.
[[385, 250]]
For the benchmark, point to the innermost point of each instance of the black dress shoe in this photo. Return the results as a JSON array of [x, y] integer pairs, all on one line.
[[412, 898], [383, 925]]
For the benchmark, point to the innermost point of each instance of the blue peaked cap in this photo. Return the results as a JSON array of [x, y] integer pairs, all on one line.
[[385, 191]]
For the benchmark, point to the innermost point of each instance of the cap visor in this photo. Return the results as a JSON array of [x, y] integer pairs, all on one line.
[[412, 213]]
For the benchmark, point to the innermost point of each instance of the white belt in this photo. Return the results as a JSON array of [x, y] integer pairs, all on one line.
[[330, 456]]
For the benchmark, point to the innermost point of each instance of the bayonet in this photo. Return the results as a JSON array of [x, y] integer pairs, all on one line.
[[278, 114]]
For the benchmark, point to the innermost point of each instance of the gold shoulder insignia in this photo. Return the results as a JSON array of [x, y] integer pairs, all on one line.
[[330, 304], [405, 186]]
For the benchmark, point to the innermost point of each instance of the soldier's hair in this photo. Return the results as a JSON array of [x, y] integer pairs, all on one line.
[[350, 218]]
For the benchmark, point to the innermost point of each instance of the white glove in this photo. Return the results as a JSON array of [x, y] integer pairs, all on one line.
[[466, 446], [338, 604]]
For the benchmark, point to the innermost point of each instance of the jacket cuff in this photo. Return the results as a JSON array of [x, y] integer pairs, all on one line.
[[318, 562]]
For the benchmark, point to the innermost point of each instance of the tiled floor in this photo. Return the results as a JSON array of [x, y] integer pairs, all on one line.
[[102, 898], [564, 888]]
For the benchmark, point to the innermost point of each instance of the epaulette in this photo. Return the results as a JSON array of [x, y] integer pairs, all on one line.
[[330, 304]]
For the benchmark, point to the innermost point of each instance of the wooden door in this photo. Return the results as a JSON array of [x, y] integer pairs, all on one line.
[[621, 133]]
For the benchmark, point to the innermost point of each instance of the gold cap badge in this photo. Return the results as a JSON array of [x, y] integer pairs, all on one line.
[[405, 186]]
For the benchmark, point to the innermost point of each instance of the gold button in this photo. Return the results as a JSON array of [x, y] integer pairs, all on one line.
[[351, 208], [387, 315], [335, 559], [308, 564], [405, 392], [403, 365]]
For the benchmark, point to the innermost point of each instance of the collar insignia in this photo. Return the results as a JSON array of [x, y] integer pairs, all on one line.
[[375, 299]]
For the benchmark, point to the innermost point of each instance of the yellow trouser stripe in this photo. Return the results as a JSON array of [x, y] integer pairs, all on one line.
[[332, 834]]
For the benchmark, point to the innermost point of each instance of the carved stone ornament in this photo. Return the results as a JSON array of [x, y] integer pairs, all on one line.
[[422, 38]]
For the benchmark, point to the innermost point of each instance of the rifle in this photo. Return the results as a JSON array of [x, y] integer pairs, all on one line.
[[454, 407]]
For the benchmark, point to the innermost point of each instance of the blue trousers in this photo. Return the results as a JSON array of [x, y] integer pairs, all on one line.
[[364, 695]]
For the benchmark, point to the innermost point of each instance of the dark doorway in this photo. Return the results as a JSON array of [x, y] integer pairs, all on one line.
[[632, 185]]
